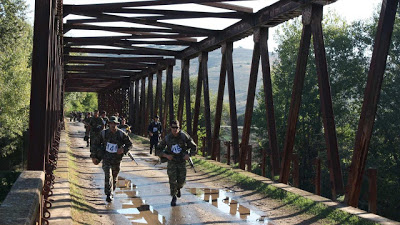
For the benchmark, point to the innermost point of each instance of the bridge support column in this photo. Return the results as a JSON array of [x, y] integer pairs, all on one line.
[[371, 98], [251, 92], [269, 102], [232, 101], [185, 71], [295, 101], [197, 105], [220, 101]]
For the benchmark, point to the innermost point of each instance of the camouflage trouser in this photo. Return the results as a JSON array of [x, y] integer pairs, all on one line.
[[111, 167], [177, 175]]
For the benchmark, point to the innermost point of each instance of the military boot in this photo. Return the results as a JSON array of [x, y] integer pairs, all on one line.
[[173, 202], [179, 193], [108, 199]]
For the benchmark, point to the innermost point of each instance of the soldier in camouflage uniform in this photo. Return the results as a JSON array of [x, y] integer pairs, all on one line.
[[96, 126], [114, 143], [176, 145], [86, 121]]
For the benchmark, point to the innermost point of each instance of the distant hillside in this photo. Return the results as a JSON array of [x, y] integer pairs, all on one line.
[[241, 66]]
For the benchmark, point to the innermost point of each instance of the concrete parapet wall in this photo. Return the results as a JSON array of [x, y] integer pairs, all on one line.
[[22, 203]]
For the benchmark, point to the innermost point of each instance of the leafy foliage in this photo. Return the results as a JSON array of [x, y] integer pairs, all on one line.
[[15, 53], [348, 51], [80, 101]]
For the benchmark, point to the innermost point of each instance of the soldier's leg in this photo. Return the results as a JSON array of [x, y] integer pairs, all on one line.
[[172, 175], [115, 168], [107, 177], [181, 175]]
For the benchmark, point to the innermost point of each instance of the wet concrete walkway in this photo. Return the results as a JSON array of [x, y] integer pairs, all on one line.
[[142, 196]]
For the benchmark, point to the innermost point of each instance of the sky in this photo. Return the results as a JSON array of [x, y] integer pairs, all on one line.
[[350, 10]]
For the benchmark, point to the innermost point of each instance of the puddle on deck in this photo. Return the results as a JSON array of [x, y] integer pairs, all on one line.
[[133, 207], [226, 204]]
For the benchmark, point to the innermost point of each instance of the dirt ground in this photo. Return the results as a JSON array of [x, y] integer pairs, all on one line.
[[142, 196]]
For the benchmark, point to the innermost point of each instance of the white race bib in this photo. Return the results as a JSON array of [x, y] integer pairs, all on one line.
[[155, 129], [176, 149], [123, 129], [111, 148]]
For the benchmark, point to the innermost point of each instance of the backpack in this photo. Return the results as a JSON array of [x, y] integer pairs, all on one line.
[[121, 134]]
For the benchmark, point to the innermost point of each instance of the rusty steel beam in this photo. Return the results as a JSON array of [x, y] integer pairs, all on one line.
[[150, 103], [206, 94], [185, 71], [220, 96], [137, 108], [165, 112], [142, 124], [326, 102], [39, 92], [131, 103], [197, 104], [158, 104], [295, 101], [269, 102], [371, 99], [251, 92], [232, 101], [181, 93], [170, 93], [220, 101]]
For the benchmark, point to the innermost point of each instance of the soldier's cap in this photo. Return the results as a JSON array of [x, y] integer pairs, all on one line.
[[156, 116], [113, 119]]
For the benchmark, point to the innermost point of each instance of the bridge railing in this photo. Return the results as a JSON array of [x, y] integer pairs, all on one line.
[[23, 203]]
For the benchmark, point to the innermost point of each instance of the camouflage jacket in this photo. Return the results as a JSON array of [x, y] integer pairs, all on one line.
[[108, 139], [177, 146]]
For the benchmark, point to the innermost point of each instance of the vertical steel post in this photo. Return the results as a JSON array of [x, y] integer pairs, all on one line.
[[295, 101], [39, 92], [371, 98], [251, 93], [372, 190], [197, 103], [188, 103], [326, 102], [206, 93], [220, 100], [269, 102], [232, 101]]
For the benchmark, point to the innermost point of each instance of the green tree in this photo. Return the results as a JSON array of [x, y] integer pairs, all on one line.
[[346, 67], [15, 52], [80, 101]]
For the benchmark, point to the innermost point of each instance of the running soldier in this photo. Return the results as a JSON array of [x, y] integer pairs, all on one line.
[[96, 126], [175, 148], [86, 121], [114, 143], [154, 131], [124, 127]]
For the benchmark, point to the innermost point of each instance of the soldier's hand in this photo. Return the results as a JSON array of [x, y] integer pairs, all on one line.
[[120, 151], [151, 134], [186, 157], [95, 161], [169, 157]]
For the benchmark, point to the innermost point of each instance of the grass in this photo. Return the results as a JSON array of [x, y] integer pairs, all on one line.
[[304, 205], [79, 205]]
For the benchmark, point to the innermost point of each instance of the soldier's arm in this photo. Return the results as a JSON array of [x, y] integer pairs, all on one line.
[[127, 142], [191, 145], [160, 147]]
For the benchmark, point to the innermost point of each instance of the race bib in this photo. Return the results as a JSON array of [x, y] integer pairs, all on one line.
[[155, 129], [123, 129], [104, 122], [111, 148], [176, 149]]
